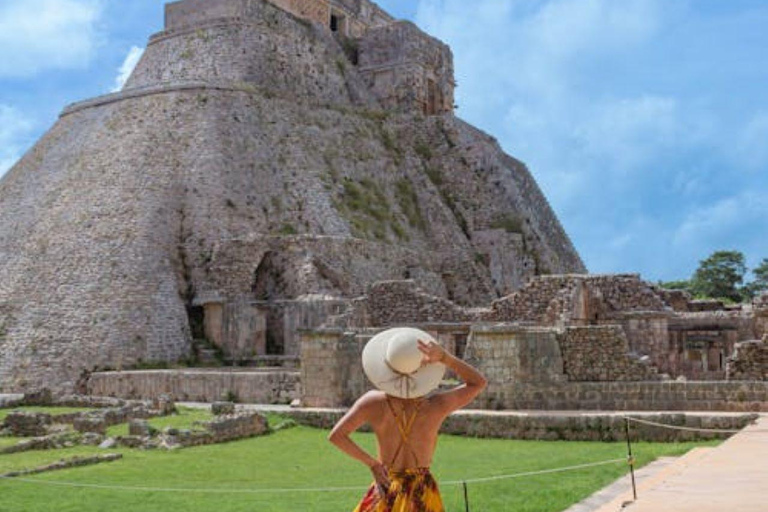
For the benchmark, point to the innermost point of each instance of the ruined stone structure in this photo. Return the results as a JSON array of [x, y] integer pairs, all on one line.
[[560, 342], [265, 162]]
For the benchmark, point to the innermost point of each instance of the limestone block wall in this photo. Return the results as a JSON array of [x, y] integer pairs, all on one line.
[[310, 265], [407, 69], [199, 385], [402, 302], [579, 426], [249, 42], [318, 11], [508, 354], [543, 300], [749, 361], [647, 335], [331, 369], [701, 342], [89, 263], [633, 396], [600, 353], [562, 299]]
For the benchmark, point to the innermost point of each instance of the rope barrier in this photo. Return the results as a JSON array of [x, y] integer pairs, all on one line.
[[533, 473], [688, 429], [302, 489]]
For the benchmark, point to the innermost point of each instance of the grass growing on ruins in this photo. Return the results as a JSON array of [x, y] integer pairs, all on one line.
[[34, 408], [185, 418], [301, 457]]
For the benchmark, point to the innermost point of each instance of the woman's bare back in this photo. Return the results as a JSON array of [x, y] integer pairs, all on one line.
[[406, 430]]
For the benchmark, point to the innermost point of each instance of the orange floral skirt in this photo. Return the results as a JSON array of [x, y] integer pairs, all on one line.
[[410, 490]]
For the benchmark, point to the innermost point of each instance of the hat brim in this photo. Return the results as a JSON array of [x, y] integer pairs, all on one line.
[[419, 383]]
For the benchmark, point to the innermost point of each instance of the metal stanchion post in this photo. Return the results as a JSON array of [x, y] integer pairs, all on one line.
[[466, 498], [630, 458]]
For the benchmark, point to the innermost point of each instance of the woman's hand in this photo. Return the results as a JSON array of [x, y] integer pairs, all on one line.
[[433, 353], [381, 477]]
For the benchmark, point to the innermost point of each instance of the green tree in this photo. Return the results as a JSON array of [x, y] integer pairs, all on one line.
[[720, 275], [761, 275], [760, 283]]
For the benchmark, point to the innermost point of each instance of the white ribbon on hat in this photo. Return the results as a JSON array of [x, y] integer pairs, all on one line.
[[404, 380]]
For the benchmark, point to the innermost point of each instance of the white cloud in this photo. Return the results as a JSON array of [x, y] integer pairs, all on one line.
[[14, 129], [129, 64], [36, 35], [709, 225]]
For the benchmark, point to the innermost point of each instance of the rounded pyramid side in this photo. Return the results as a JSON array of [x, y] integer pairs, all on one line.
[[91, 274]]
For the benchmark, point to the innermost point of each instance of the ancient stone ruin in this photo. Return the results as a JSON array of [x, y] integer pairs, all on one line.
[[281, 179], [265, 163], [562, 342]]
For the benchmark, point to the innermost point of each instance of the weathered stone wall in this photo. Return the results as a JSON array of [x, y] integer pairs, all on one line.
[[200, 385], [749, 361], [506, 354], [358, 15], [296, 265], [401, 302], [265, 48], [407, 69], [575, 426], [601, 353], [331, 370], [239, 328], [88, 249], [701, 342], [648, 335], [582, 299], [629, 396], [331, 367], [109, 224], [507, 273], [677, 299]]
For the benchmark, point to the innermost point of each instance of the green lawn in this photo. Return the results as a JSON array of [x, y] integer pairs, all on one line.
[[300, 458]]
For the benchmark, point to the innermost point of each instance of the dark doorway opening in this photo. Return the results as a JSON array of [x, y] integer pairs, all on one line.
[[334, 23]]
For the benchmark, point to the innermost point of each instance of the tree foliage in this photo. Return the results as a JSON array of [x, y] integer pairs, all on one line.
[[720, 276]]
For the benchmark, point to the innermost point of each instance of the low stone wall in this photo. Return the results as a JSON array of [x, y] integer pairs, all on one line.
[[575, 426], [749, 361], [600, 353], [266, 387], [224, 428], [629, 396]]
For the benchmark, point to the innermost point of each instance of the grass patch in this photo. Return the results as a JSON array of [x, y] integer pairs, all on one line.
[[366, 207], [435, 176], [288, 229], [301, 457], [423, 150], [409, 204], [509, 222]]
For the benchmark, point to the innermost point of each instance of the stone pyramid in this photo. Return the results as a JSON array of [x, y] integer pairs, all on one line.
[[261, 151]]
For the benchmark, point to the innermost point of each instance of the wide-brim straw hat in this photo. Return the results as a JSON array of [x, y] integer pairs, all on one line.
[[392, 362]]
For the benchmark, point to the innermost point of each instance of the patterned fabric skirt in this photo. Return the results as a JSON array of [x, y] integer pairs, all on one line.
[[410, 490]]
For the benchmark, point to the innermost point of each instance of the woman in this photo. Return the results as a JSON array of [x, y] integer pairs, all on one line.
[[405, 365]]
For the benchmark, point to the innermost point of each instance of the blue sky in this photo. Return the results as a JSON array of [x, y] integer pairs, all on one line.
[[644, 121]]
